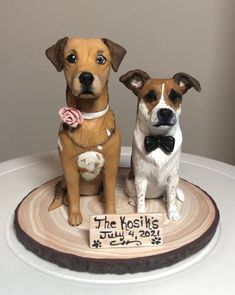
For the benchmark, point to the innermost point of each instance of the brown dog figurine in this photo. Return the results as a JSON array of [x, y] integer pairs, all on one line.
[[89, 141]]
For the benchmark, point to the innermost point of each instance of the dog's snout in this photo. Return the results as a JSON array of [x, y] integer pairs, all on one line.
[[165, 114], [86, 79], [166, 117]]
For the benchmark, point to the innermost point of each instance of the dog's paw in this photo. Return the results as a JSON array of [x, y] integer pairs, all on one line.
[[173, 214], [75, 219]]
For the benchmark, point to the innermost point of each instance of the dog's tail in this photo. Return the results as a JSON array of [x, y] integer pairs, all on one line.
[[60, 192], [130, 187]]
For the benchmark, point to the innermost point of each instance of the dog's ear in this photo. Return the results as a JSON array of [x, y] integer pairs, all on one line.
[[186, 82], [55, 53], [117, 53], [134, 80]]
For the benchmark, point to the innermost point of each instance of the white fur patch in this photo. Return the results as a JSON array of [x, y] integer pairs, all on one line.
[[108, 132], [90, 164], [136, 83], [181, 84], [162, 92], [60, 145]]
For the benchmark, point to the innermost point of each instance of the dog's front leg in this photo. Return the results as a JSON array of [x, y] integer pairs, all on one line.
[[110, 170], [171, 195], [109, 181], [141, 188], [71, 176]]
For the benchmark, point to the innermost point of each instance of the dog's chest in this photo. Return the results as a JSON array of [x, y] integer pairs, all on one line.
[[161, 162], [156, 164], [157, 169], [90, 164]]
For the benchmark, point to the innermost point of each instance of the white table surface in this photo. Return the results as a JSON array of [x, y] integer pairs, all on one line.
[[215, 273]]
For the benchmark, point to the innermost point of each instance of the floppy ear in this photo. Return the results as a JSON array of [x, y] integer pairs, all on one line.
[[55, 53], [186, 82], [134, 80], [117, 53]]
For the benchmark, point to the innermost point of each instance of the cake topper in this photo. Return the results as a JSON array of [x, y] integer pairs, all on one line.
[[89, 148], [89, 141], [157, 138]]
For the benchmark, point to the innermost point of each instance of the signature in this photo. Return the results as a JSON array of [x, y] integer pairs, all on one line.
[[124, 242]]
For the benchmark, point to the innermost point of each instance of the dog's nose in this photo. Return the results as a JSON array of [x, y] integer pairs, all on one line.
[[86, 79], [165, 115]]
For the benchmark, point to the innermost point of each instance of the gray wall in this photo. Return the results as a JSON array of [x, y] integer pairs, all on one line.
[[161, 37]]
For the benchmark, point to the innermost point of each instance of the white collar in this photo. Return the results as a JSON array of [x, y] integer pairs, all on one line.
[[95, 115]]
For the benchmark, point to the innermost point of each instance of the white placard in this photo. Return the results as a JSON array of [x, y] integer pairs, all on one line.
[[126, 230]]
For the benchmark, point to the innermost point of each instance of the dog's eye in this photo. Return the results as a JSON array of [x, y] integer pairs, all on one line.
[[175, 96], [150, 96], [72, 59], [100, 59]]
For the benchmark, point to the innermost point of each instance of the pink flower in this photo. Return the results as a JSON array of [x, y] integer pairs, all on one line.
[[70, 116]]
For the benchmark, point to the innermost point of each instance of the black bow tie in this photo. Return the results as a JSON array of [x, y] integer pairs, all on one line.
[[165, 143]]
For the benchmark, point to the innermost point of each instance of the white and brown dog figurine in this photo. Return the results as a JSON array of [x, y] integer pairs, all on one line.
[[157, 138], [89, 142]]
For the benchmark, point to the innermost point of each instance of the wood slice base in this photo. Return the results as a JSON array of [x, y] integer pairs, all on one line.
[[50, 237]]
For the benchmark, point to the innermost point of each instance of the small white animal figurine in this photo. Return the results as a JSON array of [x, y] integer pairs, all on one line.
[[157, 138]]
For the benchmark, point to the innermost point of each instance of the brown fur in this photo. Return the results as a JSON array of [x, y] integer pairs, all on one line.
[[140, 83], [156, 84], [86, 135], [91, 133]]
